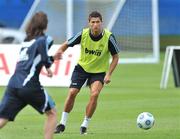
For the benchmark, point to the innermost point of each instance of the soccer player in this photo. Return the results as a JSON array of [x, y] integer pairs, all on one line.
[[97, 44], [24, 87]]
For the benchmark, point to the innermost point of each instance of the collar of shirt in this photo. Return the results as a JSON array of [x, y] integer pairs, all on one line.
[[96, 38]]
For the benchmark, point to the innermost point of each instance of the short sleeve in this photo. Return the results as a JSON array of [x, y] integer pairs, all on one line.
[[112, 45]]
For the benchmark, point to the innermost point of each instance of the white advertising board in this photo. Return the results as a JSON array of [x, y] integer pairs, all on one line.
[[62, 69]]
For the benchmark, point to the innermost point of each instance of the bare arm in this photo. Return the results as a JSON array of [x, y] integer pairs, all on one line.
[[60, 51], [114, 62], [70, 43], [57, 56], [63, 47]]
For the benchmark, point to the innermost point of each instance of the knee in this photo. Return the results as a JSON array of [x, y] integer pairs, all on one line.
[[94, 95], [73, 93], [52, 113]]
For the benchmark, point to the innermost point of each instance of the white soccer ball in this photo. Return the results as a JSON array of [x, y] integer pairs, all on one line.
[[145, 120]]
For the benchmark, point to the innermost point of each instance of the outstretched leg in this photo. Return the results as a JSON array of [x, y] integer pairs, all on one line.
[[69, 103]]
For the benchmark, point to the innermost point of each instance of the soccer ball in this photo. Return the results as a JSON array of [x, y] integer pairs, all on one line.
[[145, 120]]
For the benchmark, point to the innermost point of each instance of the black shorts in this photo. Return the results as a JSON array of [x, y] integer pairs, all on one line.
[[15, 99], [79, 77]]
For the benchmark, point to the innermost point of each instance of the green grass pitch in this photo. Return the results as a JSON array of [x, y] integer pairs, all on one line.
[[134, 89]]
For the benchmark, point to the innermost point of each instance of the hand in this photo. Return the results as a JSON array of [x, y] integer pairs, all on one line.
[[107, 79], [49, 72], [58, 55]]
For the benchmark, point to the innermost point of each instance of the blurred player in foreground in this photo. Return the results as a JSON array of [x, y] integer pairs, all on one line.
[[96, 46], [24, 87]]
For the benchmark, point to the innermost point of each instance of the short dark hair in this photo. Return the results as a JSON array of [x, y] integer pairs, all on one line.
[[95, 14]]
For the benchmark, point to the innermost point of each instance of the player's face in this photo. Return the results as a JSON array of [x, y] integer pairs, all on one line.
[[95, 25]]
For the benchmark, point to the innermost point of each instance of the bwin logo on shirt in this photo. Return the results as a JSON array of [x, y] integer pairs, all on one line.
[[93, 52]]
